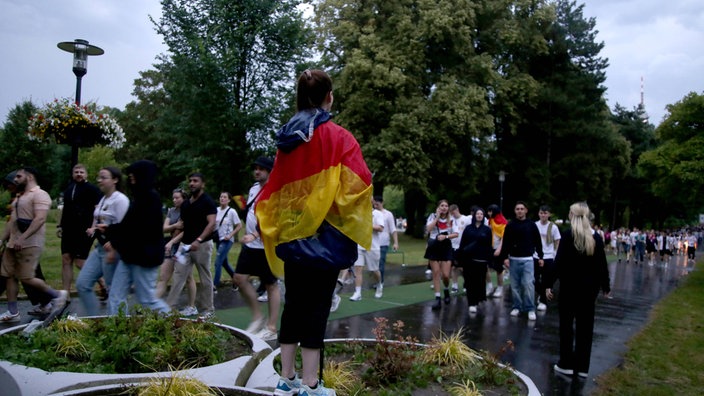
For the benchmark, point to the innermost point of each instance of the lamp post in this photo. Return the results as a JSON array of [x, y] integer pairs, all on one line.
[[502, 179], [81, 50]]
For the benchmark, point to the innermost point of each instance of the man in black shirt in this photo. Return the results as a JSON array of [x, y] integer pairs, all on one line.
[[198, 216], [80, 198], [521, 240]]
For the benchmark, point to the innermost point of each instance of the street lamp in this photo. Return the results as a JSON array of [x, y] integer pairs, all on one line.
[[502, 179], [81, 50]]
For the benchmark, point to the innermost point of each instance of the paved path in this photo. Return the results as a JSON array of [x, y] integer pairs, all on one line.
[[636, 288]]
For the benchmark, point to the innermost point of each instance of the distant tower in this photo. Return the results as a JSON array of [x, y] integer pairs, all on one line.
[[641, 107]]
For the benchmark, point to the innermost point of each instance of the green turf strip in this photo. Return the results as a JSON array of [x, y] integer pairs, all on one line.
[[394, 297]]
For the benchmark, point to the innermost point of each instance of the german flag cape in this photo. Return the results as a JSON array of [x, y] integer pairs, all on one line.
[[322, 178]]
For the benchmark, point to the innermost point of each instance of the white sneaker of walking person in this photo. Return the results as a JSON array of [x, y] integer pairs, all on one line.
[[264, 297], [499, 292], [335, 303], [379, 290], [357, 296]]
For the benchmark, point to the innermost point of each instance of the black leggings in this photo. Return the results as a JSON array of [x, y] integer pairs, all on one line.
[[307, 306]]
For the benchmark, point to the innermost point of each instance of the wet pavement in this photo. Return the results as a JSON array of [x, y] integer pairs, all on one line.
[[636, 288]]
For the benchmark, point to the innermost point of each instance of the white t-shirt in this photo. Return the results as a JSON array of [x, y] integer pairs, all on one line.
[[377, 220], [250, 223], [443, 225], [458, 226], [112, 209], [548, 248], [389, 227], [226, 224]]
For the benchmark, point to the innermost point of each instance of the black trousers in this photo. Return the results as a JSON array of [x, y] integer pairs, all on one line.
[[474, 273], [576, 329], [542, 273]]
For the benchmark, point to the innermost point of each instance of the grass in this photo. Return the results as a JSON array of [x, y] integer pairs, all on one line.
[[667, 356]]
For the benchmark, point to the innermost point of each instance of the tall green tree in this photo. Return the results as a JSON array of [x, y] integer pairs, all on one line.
[[563, 147], [634, 204], [217, 96], [16, 149], [676, 165], [416, 82]]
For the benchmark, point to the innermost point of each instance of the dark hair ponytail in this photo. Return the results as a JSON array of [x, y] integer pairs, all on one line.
[[312, 88]]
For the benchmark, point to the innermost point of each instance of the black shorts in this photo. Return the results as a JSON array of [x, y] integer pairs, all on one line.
[[253, 262], [77, 244], [497, 264]]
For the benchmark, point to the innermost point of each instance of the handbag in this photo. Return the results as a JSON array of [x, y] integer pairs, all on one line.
[[23, 224], [328, 249], [215, 235]]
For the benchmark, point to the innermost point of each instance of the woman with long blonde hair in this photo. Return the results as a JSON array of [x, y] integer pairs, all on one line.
[[582, 270]]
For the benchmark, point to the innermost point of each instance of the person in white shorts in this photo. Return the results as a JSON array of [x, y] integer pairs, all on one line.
[[370, 258]]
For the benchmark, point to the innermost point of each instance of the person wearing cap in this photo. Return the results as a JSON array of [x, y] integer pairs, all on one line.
[[25, 236], [252, 261]]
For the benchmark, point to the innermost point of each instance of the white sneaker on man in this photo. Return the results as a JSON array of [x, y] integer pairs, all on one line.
[[515, 312], [499, 292], [357, 296], [472, 309], [264, 297], [542, 307], [379, 290], [489, 288], [335, 303], [531, 315]]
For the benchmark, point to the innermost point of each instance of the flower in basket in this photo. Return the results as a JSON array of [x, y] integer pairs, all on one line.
[[64, 122]]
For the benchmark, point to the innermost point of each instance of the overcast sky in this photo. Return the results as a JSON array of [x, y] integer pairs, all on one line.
[[662, 41]]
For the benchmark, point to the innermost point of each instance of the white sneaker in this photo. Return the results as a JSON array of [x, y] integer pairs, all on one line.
[[489, 288], [335, 303], [264, 297], [60, 301], [9, 317], [188, 311], [379, 290], [267, 335], [472, 309], [357, 296], [563, 371], [531, 315], [515, 312], [255, 326], [499, 292], [542, 307]]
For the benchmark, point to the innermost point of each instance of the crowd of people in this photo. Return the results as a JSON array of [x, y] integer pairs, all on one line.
[[637, 246]]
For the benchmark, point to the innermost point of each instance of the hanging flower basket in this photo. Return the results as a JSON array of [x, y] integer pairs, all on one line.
[[65, 122]]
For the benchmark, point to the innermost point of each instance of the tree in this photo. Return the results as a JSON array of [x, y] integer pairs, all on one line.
[[416, 82], [631, 193], [562, 147], [675, 166], [16, 149], [214, 101]]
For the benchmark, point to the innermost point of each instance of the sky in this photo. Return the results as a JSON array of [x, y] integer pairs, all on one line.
[[660, 41]]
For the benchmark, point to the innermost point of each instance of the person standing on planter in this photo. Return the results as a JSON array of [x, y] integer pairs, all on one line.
[[312, 213], [582, 270], [139, 241]]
